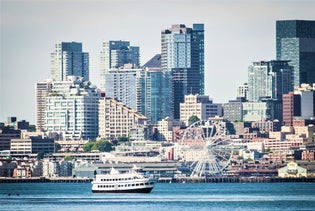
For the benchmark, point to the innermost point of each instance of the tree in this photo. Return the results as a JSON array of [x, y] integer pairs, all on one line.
[[88, 146], [103, 146], [40, 155], [122, 139], [193, 119], [57, 147], [68, 158]]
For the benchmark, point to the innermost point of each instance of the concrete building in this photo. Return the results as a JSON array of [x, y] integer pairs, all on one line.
[[42, 91], [115, 54], [116, 119], [291, 107], [32, 145], [68, 59], [295, 41], [51, 168], [183, 55], [242, 91], [164, 130], [72, 109], [255, 111], [233, 110], [200, 106]]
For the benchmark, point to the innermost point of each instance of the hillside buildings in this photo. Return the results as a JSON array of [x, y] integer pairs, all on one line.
[[115, 119], [68, 59], [183, 55], [295, 41]]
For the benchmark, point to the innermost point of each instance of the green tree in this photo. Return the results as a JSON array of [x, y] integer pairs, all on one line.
[[121, 139], [103, 146], [193, 119], [57, 147], [68, 158], [88, 146], [40, 155]]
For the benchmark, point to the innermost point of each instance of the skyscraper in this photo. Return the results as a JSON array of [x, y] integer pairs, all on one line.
[[183, 55], [42, 91], [68, 59], [295, 41], [116, 54], [155, 90], [123, 85], [269, 79]]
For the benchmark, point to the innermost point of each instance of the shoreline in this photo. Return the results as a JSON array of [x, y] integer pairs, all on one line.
[[168, 180]]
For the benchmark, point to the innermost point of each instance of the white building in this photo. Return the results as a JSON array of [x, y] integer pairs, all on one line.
[[72, 109], [51, 168], [165, 130], [200, 106]]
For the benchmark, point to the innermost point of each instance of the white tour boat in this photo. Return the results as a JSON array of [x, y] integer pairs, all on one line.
[[115, 182]]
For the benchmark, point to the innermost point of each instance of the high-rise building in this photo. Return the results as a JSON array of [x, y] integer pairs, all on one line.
[[269, 80], [295, 41], [42, 91], [72, 109], [68, 59], [183, 55], [123, 85], [155, 90], [116, 54]]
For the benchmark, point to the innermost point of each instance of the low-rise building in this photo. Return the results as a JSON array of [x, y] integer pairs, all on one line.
[[292, 170]]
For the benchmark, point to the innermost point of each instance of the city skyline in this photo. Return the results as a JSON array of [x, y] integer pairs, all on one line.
[[236, 34]]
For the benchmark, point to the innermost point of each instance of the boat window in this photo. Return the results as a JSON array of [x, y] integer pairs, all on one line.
[[137, 184]]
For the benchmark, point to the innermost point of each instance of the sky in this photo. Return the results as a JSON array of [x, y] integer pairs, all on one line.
[[237, 33]]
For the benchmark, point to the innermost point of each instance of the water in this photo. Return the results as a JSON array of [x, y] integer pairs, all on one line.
[[175, 196]]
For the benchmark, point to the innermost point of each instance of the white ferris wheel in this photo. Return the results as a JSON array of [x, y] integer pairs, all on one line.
[[215, 147]]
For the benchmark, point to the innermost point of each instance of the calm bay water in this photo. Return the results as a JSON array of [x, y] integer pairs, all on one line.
[[175, 196]]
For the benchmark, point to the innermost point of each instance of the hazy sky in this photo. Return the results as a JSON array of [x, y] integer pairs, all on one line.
[[236, 34]]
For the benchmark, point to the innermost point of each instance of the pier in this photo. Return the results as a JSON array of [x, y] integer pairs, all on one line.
[[45, 180]]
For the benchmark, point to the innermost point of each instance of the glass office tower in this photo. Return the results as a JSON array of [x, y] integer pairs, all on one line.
[[183, 55], [295, 41], [68, 59]]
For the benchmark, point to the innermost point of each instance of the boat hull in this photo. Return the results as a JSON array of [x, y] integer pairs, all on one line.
[[138, 190]]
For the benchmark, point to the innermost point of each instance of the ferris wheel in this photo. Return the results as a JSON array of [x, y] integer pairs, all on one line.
[[214, 144]]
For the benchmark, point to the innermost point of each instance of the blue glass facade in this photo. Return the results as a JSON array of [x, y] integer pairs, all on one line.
[[295, 41], [183, 55], [68, 59]]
